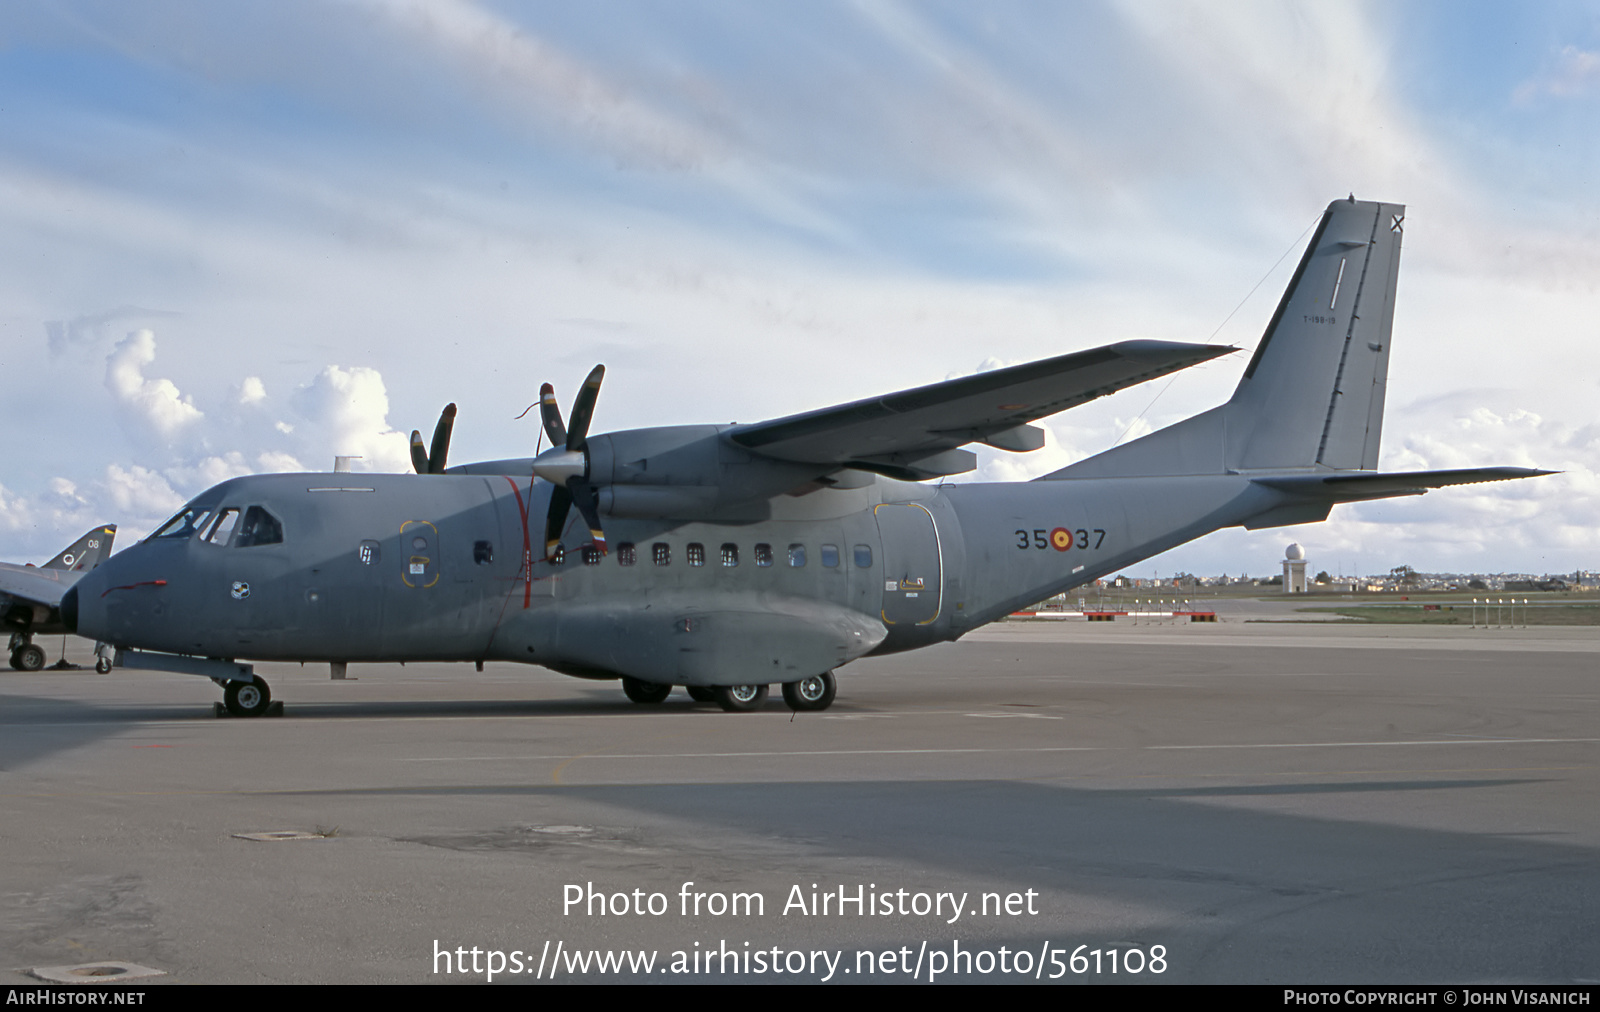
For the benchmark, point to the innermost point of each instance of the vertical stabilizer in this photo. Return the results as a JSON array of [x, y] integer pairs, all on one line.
[[87, 552], [1312, 395], [1313, 391]]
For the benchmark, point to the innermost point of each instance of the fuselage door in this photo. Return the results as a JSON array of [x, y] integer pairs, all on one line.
[[912, 571]]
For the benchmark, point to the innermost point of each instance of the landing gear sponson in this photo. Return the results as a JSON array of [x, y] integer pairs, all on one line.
[[244, 693], [808, 694]]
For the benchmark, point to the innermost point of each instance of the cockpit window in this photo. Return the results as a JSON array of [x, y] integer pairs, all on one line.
[[259, 528], [221, 528], [189, 520]]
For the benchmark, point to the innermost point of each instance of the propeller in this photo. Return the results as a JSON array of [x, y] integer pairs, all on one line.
[[431, 461], [566, 464]]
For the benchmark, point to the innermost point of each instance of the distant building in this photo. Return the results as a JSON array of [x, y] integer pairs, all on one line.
[[1294, 570]]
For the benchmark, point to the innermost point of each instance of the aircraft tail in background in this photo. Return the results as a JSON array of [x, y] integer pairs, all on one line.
[[87, 552]]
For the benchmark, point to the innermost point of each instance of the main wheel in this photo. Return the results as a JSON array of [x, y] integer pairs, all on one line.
[[814, 693], [247, 699], [701, 694], [645, 692], [28, 657], [740, 698]]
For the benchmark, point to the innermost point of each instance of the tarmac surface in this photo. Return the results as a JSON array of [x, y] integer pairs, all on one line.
[[1243, 803]]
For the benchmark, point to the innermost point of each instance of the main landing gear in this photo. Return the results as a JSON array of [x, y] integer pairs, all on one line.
[[645, 692], [28, 657], [247, 699], [739, 698], [806, 695], [814, 693]]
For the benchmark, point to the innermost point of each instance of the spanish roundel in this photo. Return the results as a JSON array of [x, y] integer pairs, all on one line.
[[1061, 539]]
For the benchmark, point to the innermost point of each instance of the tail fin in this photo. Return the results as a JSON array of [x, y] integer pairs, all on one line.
[[87, 552], [1312, 395]]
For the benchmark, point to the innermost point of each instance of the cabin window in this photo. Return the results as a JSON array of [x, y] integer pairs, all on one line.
[[221, 529], [592, 555], [661, 552], [696, 553], [763, 555], [184, 525], [482, 552], [730, 554], [558, 555], [627, 554], [830, 556], [369, 553], [863, 554], [797, 556], [259, 528]]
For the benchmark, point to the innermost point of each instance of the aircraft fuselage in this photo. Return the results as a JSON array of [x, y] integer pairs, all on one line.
[[447, 568]]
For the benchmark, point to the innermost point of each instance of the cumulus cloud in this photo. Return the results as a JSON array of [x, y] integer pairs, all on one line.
[[348, 409], [155, 403], [182, 449], [140, 491]]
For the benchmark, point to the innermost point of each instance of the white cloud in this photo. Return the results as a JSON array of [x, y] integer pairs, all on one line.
[[155, 403], [348, 411]]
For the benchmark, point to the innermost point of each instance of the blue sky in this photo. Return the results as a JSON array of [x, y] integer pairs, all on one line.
[[246, 237]]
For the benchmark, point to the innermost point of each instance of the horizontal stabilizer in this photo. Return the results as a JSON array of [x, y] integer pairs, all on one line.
[[903, 430], [1350, 486]]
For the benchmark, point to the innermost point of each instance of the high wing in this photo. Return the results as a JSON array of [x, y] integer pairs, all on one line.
[[914, 434]]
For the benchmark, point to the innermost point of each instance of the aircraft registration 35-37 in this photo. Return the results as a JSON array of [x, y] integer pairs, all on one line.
[[728, 558], [1060, 538]]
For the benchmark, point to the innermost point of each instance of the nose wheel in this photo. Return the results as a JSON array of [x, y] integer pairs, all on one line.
[[247, 699]]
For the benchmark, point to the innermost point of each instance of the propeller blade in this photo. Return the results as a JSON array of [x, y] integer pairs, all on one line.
[[441, 440], [588, 503], [556, 520], [419, 454], [583, 408], [550, 411]]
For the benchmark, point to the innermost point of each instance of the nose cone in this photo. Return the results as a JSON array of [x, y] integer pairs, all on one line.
[[82, 607], [69, 609]]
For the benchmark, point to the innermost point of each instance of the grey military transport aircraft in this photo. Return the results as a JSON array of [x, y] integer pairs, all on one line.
[[30, 596], [726, 558]]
